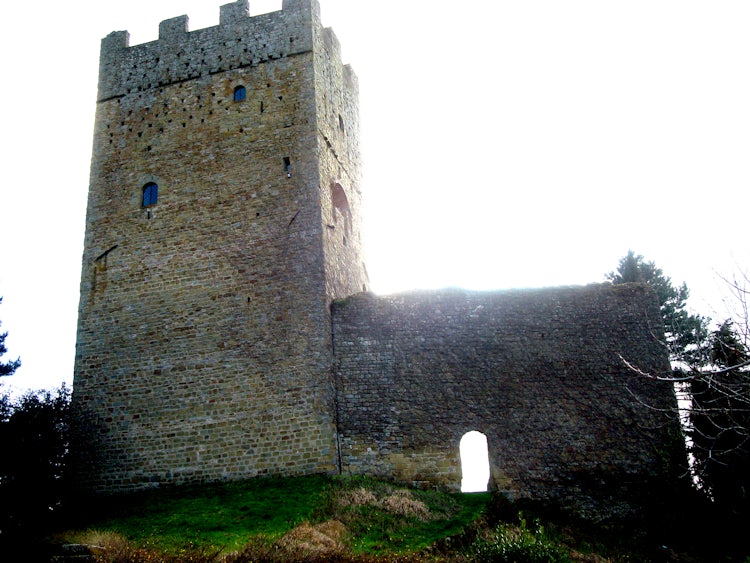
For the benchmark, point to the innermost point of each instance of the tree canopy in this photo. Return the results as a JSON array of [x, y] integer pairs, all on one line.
[[685, 333], [712, 372], [9, 367], [34, 440], [719, 429]]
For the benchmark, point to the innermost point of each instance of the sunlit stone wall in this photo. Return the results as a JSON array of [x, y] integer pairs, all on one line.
[[540, 372], [203, 347]]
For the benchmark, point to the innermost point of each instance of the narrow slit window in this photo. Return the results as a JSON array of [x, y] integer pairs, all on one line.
[[288, 166], [150, 194], [240, 93]]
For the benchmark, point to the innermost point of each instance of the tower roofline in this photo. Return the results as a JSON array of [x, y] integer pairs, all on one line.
[[240, 40]]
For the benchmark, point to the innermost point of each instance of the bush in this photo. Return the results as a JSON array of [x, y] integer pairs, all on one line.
[[34, 444], [518, 544]]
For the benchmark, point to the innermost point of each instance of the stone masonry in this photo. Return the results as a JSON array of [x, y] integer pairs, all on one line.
[[541, 373], [224, 327], [203, 348]]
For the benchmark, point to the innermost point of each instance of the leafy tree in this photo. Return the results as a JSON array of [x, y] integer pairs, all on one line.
[[685, 333], [34, 440], [9, 367]]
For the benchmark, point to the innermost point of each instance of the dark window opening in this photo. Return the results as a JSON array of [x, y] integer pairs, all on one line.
[[150, 194], [240, 93], [341, 122], [288, 166]]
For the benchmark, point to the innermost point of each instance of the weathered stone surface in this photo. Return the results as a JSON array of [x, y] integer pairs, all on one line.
[[203, 348], [539, 372]]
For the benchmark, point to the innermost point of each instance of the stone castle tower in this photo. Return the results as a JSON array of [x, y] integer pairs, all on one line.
[[223, 218]]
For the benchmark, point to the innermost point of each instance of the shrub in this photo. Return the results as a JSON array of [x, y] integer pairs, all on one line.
[[34, 446], [518, 544]]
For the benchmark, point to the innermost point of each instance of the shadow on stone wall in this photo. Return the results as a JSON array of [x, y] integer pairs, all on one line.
[[539, 372]]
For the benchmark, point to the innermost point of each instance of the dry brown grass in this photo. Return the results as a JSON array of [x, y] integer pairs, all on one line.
[[402, 503], [318, 539], [399, 501], [306, 543]]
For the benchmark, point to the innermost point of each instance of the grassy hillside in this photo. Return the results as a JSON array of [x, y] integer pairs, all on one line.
[[276, 519], [353, 519]]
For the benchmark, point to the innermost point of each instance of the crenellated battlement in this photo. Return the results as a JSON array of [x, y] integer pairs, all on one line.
[[180, 54]]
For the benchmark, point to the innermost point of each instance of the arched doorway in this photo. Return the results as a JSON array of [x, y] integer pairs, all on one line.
[[475, 462]]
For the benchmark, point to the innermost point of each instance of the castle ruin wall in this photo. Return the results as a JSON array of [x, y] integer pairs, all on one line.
[[207, 345], [541, 373]]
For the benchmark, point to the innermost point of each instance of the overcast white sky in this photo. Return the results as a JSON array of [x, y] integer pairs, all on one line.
[[519, 143]]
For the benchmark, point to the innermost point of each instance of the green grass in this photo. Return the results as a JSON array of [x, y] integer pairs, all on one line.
[[378, 517], [392, 519], [225, 516], [349, 520]]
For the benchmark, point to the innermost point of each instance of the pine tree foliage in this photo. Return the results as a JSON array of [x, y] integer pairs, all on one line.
[[719, 427], [9, 367], [712, 370], [685, 333]]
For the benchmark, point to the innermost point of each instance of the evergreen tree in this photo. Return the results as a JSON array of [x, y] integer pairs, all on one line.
[[713, 370], [9, 367], [719, 428], [685, 333]]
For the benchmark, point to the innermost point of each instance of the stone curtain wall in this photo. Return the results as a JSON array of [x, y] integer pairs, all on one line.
[[538, 371]]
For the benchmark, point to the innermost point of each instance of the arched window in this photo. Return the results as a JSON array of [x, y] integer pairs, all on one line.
[[475, 462], [240, 93], [150, 194], [341, 207]]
